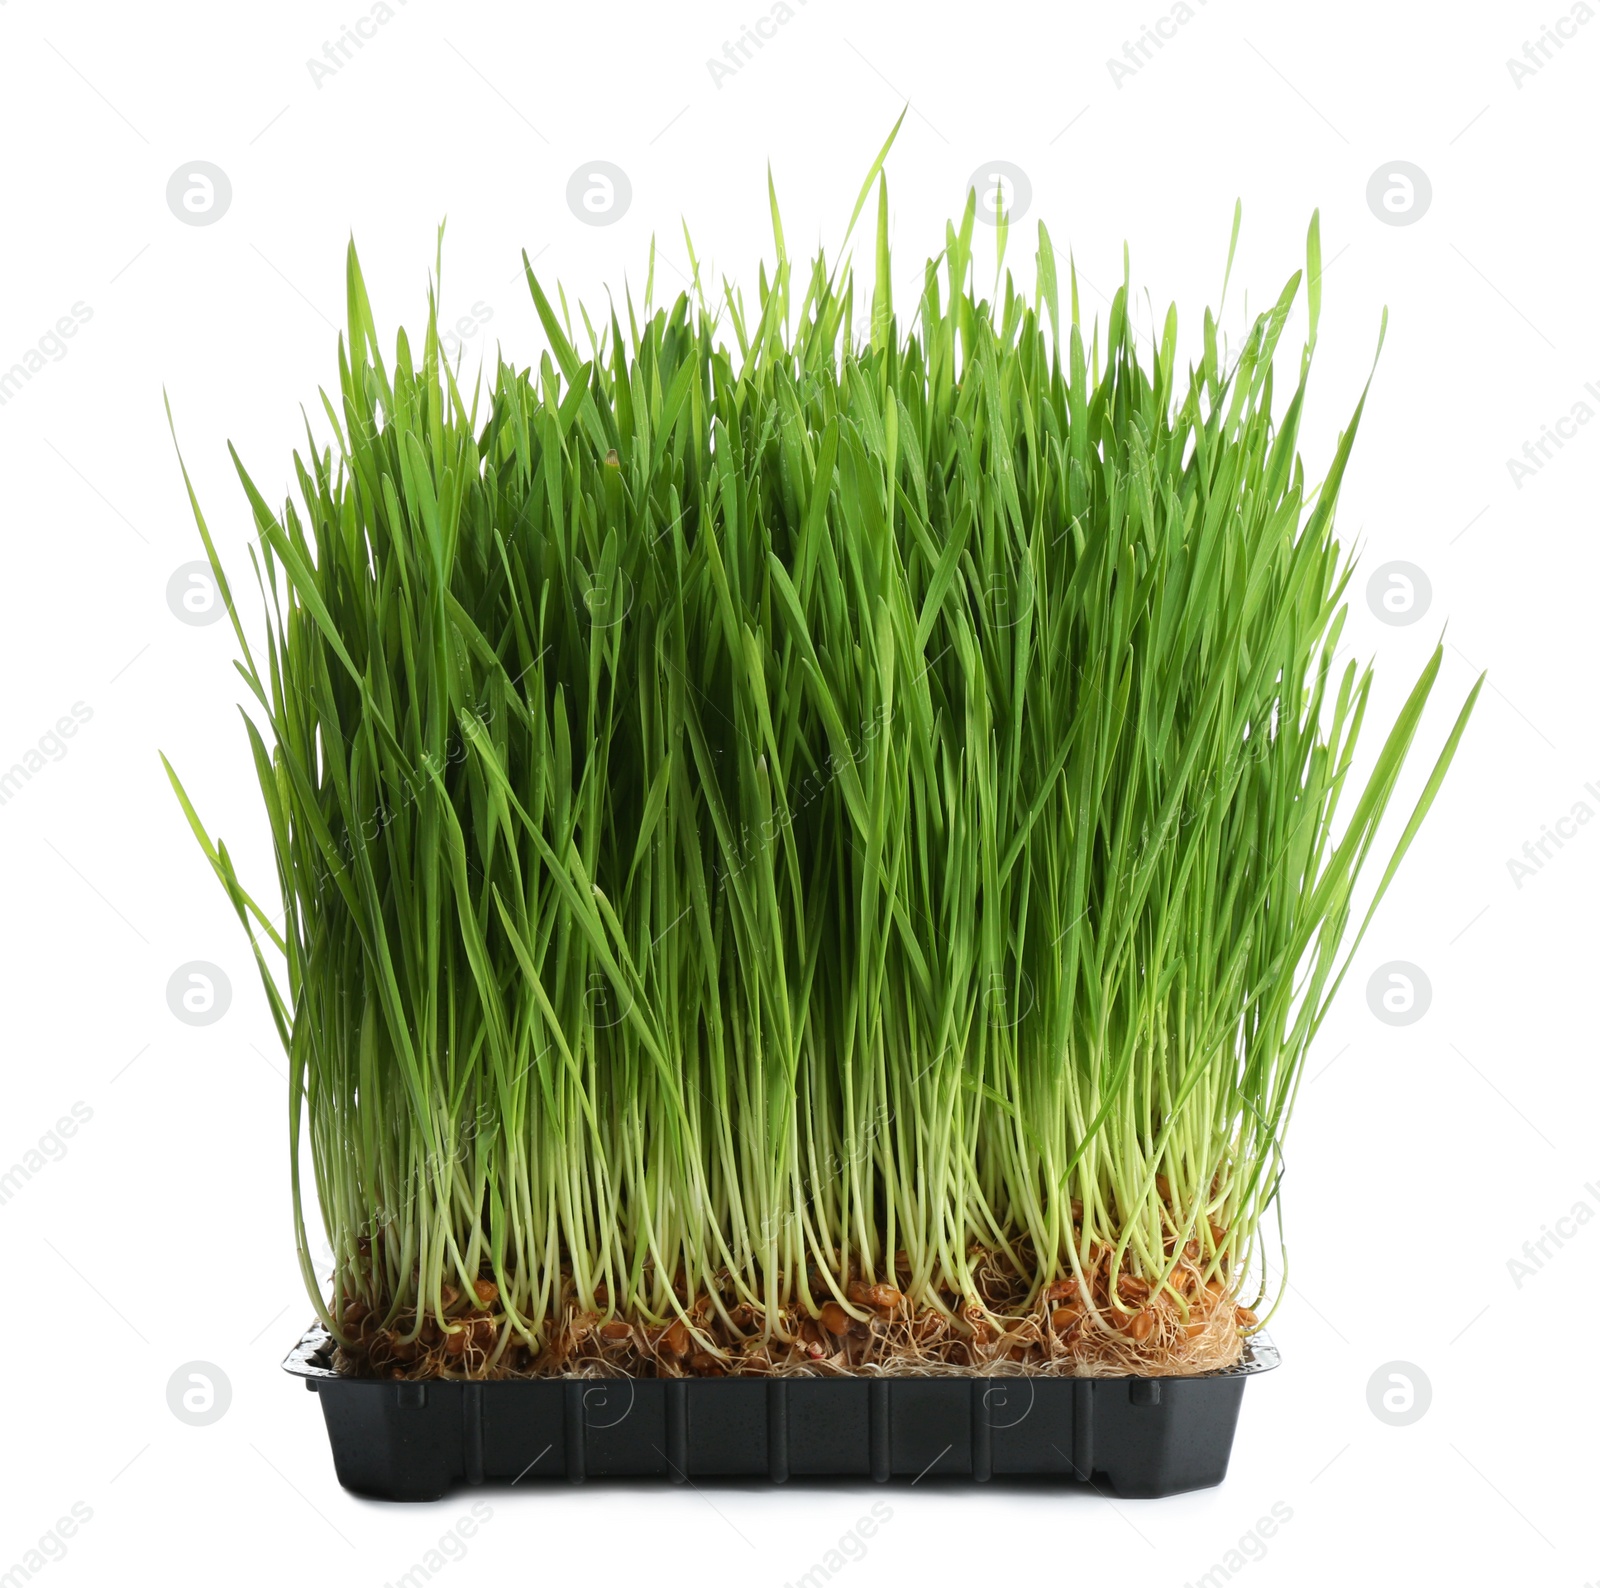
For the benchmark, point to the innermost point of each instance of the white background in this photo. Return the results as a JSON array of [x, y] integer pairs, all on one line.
[[1422, 1157]]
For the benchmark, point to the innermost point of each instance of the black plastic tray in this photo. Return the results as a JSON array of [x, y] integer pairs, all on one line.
[[1145, 1437]]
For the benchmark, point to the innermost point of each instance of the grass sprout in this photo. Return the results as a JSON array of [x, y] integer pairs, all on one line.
[[810, 835]]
